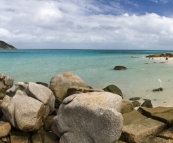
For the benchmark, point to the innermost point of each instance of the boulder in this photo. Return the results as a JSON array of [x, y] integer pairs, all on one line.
[[36, 91], [120, 68], [164, 114], [89, 117], [5, 129], [61, 83], [113, 89], [126, 107], [6, 82], [23, 112], [132, 117], [141, 131]]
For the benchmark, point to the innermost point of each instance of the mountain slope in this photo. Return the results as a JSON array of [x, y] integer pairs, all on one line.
[[5, 46]]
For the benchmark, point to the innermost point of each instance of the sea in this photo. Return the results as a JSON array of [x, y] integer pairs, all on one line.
[[96, 68]]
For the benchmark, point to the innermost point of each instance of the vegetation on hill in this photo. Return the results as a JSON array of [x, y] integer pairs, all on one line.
[[6, 46]]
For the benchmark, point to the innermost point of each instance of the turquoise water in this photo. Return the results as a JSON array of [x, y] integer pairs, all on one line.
[[95, 67]]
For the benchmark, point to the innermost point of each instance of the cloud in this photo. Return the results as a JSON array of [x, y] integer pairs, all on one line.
[[161, 1], [81, 24]]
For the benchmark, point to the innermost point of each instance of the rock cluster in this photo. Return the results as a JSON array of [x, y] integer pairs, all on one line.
[[85, 115], [29, 115], [160, 55], [150, 125]]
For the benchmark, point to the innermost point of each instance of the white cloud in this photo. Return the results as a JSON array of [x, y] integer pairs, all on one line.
[[76, 23]]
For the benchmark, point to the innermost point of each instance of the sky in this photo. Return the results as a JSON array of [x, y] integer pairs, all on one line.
[[87, 24]]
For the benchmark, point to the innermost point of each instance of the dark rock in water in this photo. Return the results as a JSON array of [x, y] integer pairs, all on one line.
[[135, 98], [162, 62], [42, 83], [113, 89], [120, 68], [146, 63], [147, 103], [136, 103], [158, 89], [5, 46]]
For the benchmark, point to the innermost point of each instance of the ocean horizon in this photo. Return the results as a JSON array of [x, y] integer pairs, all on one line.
[[95, 67]]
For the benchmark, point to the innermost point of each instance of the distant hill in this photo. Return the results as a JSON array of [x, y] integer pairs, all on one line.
[[5, 46]]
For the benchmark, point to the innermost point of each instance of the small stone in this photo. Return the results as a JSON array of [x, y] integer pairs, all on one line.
[[5, 129], [136, 103], [135, 98], [120, 68]]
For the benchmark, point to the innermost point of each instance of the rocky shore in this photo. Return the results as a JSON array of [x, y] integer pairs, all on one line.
[[69, 111]]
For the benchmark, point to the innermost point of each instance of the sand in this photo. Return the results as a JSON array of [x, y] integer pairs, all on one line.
[[162, 98]]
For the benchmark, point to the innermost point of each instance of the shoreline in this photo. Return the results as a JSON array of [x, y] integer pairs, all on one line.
[[161, 98]]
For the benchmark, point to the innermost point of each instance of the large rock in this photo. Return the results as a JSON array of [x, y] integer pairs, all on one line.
[[141, 131], [164, 114], [113, 89], [6, 82], [89, 117], [61, 83], [23, 112], [36, 91]]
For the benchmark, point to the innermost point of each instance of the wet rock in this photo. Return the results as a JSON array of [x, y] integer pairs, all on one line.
[[120, 68], [113, 89], [147, 103], [89, 117]]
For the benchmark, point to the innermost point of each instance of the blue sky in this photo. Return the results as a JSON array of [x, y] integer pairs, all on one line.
[[87, 24]]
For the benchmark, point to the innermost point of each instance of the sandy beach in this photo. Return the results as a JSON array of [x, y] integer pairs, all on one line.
[[165, 97]]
